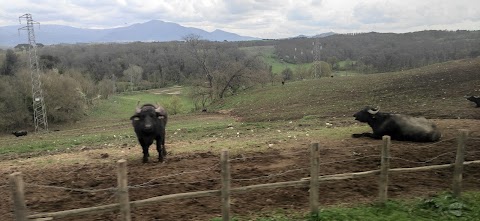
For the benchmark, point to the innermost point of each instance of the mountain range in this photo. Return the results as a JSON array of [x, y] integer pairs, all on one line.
[[154, 30]]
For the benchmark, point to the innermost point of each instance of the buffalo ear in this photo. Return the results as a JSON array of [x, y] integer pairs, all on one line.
[[135, 117]]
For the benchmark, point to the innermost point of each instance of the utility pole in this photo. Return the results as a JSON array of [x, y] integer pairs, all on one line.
[[39, 109]]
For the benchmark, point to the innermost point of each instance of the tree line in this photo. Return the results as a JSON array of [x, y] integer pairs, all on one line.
[[383, 52], [75, 76]]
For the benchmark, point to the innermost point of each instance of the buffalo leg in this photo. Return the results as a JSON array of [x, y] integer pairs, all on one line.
[[371, 135], [161, 149], [162, 141], [145, 151], [162, 152]]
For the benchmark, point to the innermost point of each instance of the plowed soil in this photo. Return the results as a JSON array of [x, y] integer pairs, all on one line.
[[201, 171]]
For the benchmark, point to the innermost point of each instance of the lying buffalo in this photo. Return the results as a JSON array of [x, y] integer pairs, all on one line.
[[474, 99], [397, 126], [20, 133], [149, 123]]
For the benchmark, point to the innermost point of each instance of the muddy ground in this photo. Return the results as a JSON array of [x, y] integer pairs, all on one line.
[[200, 171]]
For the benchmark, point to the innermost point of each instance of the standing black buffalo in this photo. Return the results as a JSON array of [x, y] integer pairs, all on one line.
[[397, 126], [149, 122], [474, 99], [20, 133]]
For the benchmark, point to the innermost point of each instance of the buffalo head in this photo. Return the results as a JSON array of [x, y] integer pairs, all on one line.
[[366, 114]]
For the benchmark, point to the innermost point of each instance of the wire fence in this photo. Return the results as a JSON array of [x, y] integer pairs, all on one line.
[[154, 182], [225, 178]]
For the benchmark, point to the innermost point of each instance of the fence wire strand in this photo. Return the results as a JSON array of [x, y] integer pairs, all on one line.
[[422, 162], [71, 189], [269, 176], [174, 175], [349, 160], [166, 184], [244, 158]]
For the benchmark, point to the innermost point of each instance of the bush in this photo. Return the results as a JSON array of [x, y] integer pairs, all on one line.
[[14, 106], [174, 106], [62, 97]]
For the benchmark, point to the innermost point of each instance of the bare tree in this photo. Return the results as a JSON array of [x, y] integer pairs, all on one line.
[[239, 74], [200, 96], [199, 49]]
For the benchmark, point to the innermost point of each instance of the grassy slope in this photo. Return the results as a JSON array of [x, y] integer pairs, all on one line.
[[441, 208], [435, 91]]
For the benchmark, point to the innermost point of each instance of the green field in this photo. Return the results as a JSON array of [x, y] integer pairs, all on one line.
[[267, 53]]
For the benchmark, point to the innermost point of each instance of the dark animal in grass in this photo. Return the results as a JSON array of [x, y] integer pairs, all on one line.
[[474, 99], [149, 122], [20, 133], [397, 126]]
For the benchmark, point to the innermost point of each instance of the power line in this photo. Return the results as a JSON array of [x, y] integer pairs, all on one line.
[[39, 108]]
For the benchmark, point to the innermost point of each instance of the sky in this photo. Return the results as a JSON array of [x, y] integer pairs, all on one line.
[[255, 18]]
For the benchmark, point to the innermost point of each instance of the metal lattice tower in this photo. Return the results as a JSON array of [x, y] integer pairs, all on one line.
[[39, 109], [316, 49]]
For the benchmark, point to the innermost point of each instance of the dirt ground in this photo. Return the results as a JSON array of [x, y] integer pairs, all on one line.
[[200, 171]]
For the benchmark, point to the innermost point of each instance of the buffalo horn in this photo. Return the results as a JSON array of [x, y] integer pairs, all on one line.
[[160, 110], [373, 110], [137, 109]]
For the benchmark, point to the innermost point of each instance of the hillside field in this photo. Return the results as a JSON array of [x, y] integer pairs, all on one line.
[[268, 132]]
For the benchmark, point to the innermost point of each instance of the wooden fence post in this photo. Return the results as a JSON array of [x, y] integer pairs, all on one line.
[[314, 163], [385, 165], [459, 159], [225, 166], [122, 191], [18, 193]]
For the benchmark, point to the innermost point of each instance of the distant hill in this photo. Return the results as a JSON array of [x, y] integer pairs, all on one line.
[[322, 35], [154, 30]]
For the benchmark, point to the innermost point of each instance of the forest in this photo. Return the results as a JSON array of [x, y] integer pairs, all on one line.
[[76, 76], [384, 52]]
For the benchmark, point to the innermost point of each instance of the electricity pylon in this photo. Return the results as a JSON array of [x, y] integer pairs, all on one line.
[[316, 49], [39, 108]]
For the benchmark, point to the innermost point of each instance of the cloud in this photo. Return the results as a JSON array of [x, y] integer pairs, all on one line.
[[374, 13], [259, 18]]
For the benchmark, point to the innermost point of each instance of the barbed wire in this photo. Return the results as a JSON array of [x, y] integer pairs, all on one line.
[[107, 199], [423, 162], [268, 156], [350, 147], [433, 144], [348, 160], [176, 174], [149, 183], [268, 176], [71, 189], [166, 184], [475, 151]]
